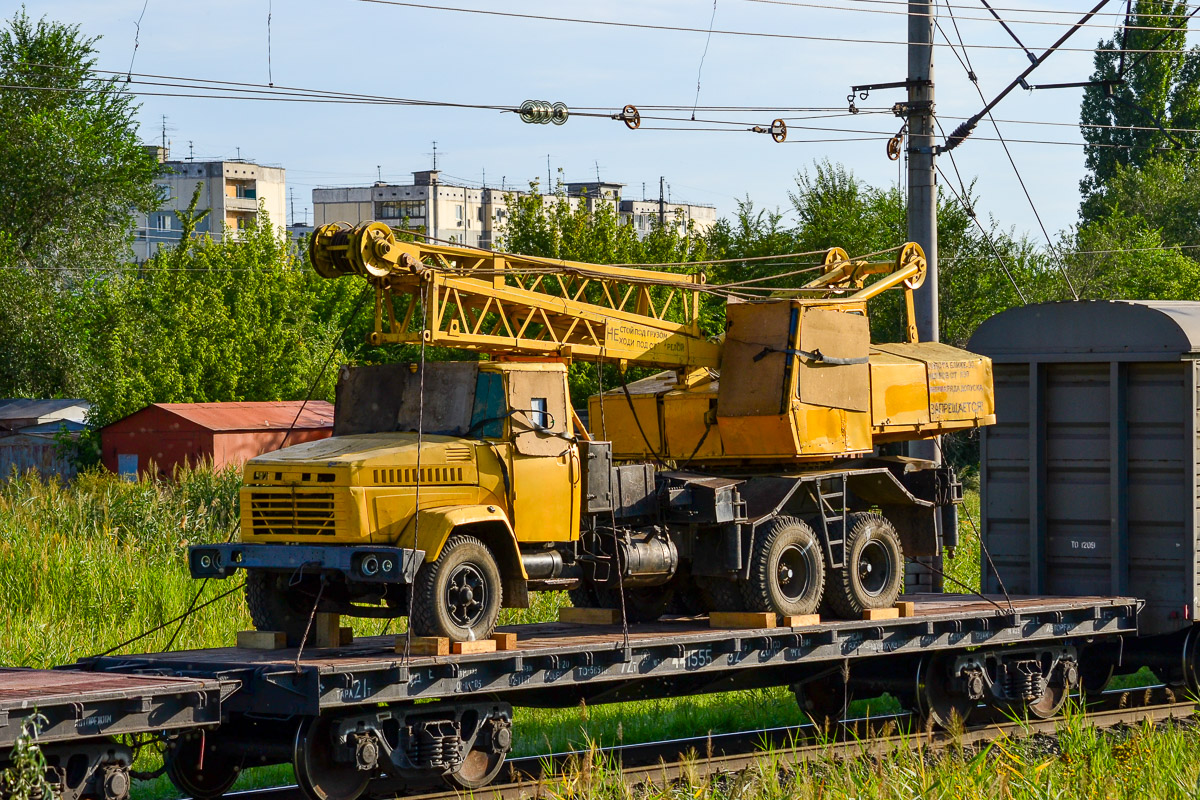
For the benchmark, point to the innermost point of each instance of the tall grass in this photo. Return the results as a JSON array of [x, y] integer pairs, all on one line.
[[1143, 761], [962, 569], [88, 565]]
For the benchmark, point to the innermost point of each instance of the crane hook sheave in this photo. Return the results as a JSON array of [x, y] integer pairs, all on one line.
[[911, 254], [834, 258], [338, 249]]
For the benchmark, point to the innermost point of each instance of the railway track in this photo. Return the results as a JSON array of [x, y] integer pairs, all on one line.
[[705, 756]]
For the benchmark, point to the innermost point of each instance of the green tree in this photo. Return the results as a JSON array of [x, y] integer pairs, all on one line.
[[1122, 257], [1161, 193], [74, 172], [239, 319], [1135, 96], [40, 355], [834, 208]]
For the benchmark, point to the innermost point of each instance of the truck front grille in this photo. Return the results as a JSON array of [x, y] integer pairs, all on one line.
[[293, 513]]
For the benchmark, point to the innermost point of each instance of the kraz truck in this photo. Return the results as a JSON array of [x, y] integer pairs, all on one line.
[[750, 474]]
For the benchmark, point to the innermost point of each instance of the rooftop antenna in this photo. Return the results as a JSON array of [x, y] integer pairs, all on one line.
[[292, 198], [597, 163], [435, 156], [239, 153], [164, 131], [379, 173], [549, 180], [485, 177], [191, 151]]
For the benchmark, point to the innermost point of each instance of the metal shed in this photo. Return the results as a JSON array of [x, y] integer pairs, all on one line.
[[36, 447], [1091, 477], [19, 413], [171, 434]]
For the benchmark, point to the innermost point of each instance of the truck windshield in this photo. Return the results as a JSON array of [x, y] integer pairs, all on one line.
[[460, 400]]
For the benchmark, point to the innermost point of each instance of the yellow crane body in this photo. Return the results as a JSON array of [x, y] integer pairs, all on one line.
[[455, 488]]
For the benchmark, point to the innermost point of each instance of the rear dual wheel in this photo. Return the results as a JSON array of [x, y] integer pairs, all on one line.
[[787, 569], [789, 574], [873, 571]]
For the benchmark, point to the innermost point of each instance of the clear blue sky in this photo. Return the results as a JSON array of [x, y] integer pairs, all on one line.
[[364, 47]]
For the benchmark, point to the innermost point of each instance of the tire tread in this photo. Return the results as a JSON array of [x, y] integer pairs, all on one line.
[[840, 595], [424, 620]]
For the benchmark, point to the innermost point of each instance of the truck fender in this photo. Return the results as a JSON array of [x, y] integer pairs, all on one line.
[[489, 524]]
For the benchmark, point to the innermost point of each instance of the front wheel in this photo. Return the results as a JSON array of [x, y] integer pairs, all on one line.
[[873, 570], [276, 606], [458, 595]]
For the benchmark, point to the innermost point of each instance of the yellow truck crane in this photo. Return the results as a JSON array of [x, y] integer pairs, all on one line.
[[747, 475]]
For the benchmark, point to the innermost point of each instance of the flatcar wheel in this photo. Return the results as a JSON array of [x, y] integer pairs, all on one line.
[[198, 770], [318, 774], [1051, 701], [824, 698], [478, 769], [938, 702], [1094, 674]]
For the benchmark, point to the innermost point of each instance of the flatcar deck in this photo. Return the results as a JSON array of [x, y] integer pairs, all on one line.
[[559, 664], [73, 704]]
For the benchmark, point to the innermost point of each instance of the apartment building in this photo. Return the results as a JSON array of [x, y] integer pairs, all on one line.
[[477, 216], [232, 192]]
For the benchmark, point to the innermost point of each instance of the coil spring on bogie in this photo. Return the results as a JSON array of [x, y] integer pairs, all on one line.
[[1023, 680], [434, 745], [452, 752]]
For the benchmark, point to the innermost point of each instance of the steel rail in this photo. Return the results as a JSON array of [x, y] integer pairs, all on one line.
[[664, 761]]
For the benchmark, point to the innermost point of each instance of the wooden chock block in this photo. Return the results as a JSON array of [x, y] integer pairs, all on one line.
[[326, 630], [881, 613], [261, 640], [477, 646], [345, 636], [425, 645], [590, 616], [799, 620], [907, 608], [741, 619], [505, 641]]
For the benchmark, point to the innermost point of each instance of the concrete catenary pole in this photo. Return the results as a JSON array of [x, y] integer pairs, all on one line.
[[924, 574], [922, 180]]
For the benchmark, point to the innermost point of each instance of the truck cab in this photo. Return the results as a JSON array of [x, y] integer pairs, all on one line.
[[424, 462]]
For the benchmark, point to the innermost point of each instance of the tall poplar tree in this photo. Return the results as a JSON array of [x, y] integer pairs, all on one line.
[[1136, 97]]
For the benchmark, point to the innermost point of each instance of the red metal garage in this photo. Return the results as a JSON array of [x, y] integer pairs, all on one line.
[[170, 434]]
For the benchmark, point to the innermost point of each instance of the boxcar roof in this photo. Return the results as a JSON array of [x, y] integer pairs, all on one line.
[[1092, 330]]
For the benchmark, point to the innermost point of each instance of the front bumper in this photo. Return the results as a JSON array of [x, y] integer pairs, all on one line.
[[361, 564]]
